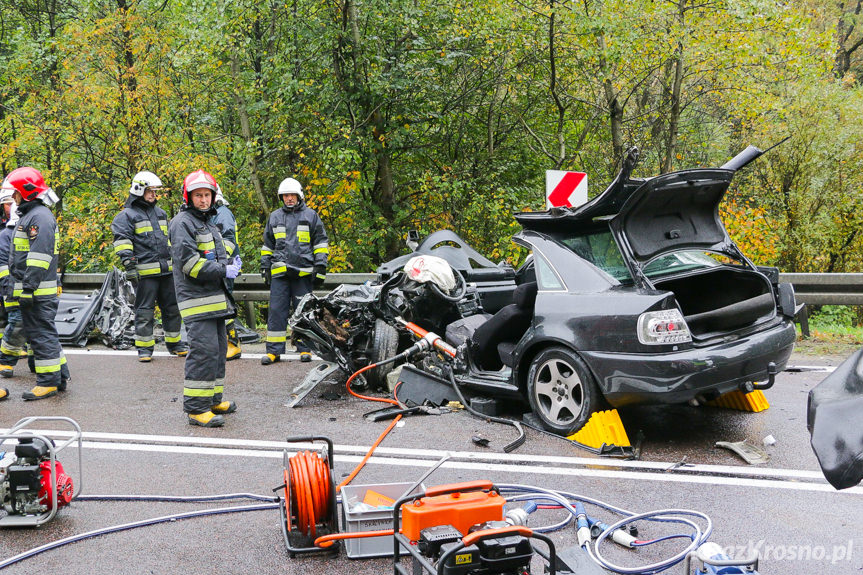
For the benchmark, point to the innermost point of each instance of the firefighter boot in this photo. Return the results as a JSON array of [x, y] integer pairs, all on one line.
[[6, 370], [145, 355], [270, 358], [39, 392], [234, 351], [305, 356], [180, 350], [224, 407], [4, 393], [206, 419]]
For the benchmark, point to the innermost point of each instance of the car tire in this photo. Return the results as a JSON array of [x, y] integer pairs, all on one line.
[[384, 345], [561, 390]]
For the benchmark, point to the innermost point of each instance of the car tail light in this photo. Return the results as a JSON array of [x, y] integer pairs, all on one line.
[[663, 327]]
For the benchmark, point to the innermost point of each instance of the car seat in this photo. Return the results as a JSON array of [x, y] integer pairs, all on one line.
[[494, 341]]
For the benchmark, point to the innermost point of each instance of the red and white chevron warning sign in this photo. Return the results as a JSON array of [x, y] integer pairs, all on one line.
[[565, 189]]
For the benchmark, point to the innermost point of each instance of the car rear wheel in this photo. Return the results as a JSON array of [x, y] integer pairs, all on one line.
[[384, 345], [561, 390]]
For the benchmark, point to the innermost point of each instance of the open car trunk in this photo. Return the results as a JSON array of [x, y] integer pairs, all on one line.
[[721, 299]]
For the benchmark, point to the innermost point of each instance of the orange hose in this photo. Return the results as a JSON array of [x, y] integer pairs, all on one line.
[[328, 540], [380, 438]]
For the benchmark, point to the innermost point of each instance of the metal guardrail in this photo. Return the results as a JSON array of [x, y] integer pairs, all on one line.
[[816, 289]]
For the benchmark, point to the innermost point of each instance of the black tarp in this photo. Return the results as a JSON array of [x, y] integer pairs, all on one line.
[[835, 421]]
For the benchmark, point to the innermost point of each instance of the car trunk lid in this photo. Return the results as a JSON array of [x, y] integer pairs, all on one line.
[[673, 212]]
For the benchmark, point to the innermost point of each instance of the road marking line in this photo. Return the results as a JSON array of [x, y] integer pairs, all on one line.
[[240, 446], [493, 467]]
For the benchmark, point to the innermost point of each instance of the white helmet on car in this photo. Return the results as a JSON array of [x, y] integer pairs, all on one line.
[[291, 186], [220, 199], [142, 181]]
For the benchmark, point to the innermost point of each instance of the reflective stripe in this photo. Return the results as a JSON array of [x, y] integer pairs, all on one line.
[[202, 305], [205, 242], [229, 247], [163, 225], [278, 268], [7, 303], [143, 227], [123, 244], [44, 288], [277, 336], [145, 342], [265, 251], [306, 271], [196, 269], [48, 365], [4, 271], [21, 242], [149, 269], [321, 248], [9, 349], [279, 232], [303, 234], [190, 263], [37, 260], [220, 386], [198, 388], [172, 337]]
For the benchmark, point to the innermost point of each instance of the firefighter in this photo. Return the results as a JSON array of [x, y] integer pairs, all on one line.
[[201, 265], [13, 342], [141, 241], [227, 224], [293, 259], [9, 211], [33, 268]]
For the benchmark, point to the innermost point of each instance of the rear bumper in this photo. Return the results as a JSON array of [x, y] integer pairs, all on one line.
[[677, 377]]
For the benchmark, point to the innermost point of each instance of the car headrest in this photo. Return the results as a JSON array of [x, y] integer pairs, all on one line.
[[524, 295]]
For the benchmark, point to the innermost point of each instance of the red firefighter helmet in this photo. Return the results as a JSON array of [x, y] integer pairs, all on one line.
[[28, 182], [199, 179]]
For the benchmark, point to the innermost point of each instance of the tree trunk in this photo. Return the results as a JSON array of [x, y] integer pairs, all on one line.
[[251, 146]]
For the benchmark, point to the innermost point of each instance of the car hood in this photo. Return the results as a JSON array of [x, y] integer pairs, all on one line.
[[674, 211]]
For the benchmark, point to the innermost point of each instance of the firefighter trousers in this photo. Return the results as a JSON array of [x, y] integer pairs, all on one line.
[[12, 345], [285, 294], [149, 292], [205, 365], [49, 361]]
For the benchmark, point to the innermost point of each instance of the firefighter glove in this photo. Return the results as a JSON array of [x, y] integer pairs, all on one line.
[[292, 273], [320, 275], [266, 276], [232, 271]]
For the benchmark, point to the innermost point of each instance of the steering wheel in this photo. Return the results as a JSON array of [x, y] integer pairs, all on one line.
[[460, 288]]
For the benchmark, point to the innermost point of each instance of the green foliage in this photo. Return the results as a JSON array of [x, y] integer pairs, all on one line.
[[413, 114], [835, 316]]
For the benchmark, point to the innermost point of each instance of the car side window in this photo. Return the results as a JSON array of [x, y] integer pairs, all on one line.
[[546, 277]]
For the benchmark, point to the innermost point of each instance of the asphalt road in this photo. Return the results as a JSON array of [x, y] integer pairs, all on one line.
[[138, 442]]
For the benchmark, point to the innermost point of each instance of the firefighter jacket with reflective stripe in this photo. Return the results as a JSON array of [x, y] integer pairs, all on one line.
[[294, 240], [5, 251], [199, 266], [141, 235], [224, 219], [33, 260]]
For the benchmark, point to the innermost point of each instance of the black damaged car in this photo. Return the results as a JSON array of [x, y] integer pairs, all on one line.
[[638, 296]]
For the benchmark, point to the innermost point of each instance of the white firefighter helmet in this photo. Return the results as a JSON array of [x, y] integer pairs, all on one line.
[[220, 199], [291, 186], [6, 191], [142, 181]]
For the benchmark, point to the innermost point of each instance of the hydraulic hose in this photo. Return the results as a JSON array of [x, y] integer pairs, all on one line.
[[126, 526], [511, 446]]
